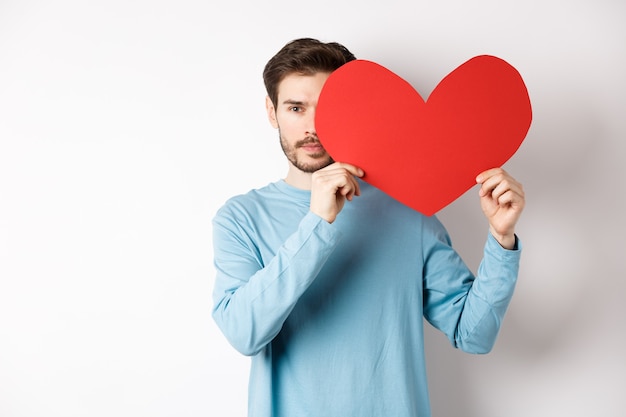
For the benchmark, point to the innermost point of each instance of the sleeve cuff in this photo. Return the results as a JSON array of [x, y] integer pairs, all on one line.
[[494, 245]]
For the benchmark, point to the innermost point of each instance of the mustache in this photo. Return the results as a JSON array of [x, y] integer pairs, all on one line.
[[308, 140]]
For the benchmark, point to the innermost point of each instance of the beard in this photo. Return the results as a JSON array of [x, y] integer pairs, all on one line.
[[321, 158]]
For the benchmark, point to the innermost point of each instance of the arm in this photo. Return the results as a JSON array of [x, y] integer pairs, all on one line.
[[471, 310], [468, 309], [252, 300]]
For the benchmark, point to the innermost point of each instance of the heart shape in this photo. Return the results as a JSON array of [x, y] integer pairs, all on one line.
[[424, 154]]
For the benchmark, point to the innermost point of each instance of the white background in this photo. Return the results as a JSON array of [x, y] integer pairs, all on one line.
[[124, 125]]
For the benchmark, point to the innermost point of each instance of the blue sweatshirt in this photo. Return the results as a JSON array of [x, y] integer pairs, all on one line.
[[332, 314]]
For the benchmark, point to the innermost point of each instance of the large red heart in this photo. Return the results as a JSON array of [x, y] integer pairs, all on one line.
[[424, 154]]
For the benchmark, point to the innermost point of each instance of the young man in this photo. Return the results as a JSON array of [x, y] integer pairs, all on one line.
[[325, 280]]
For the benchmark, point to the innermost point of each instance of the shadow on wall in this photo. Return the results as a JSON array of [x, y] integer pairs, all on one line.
[[560, 164]]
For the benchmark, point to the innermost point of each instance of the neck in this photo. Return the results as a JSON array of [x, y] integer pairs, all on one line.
[[298, 179]]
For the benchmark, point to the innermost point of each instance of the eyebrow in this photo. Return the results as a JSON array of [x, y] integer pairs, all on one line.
[[294, 102]]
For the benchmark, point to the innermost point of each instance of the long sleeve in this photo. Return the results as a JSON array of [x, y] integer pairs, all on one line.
[[468, 309], [333, 314], [252, 299]]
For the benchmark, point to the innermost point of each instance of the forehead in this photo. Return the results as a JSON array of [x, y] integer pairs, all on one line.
[[297, 86]]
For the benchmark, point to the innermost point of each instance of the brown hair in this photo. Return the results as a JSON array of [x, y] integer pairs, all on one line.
[[303, 56]]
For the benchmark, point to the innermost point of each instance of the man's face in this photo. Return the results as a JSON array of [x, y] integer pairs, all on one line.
[[294, 117]]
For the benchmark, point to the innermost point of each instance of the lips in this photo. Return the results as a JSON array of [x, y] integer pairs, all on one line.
[[311, 146]]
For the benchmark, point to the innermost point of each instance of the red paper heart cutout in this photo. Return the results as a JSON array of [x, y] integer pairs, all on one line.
[[424, 154]]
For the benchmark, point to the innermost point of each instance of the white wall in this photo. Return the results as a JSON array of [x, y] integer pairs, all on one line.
[[124, 125]]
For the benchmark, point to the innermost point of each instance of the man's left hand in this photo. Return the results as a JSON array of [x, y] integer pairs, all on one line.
[[502, 200]]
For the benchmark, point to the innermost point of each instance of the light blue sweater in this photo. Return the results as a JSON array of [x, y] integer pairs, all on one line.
[[332, 314]]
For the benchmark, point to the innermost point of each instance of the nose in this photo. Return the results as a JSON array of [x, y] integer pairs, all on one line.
[[310, 122]]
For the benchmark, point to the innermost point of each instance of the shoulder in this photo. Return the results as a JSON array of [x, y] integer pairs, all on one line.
[[274, 203], [245, 205]]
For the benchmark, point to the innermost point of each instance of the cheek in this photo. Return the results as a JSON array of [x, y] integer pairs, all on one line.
[[287, 123]]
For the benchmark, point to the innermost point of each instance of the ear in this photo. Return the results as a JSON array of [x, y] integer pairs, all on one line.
[[271, 112]]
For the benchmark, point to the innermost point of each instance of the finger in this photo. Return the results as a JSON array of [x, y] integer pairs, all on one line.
[[355, 172], [357, 187], [499, 188], [489, 180], [489, 186], [338, 167], [485, 175], [499, 183], [342, 178], [506, 198], [339, 182], [351, 188], [352, 169]]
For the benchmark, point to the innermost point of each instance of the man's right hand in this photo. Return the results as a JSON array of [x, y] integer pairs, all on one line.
[[331, 187]]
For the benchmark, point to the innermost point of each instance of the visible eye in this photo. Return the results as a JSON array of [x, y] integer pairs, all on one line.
[[296, 109]]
